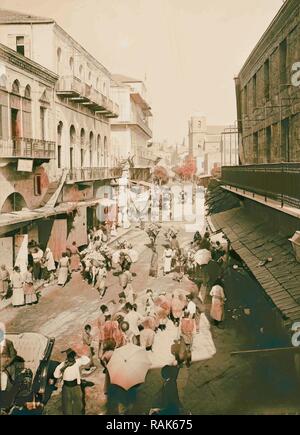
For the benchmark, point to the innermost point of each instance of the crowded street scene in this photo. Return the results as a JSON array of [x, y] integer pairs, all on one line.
[[149, 251]]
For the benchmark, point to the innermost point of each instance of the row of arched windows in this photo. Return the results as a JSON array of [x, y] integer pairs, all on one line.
[[15, 88], [81, 72], [88, 144]]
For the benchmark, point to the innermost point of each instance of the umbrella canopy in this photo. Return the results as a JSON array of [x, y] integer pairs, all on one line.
[[128, 366], [203, 256]]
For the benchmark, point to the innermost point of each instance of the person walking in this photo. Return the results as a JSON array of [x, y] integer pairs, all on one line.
[[168, 401], [4, 281], [154, 263], [63, 270], [37, 256], [75, 257], [69, 372], [87, 340], [101, 280], [29, 290], [50, 263], [18, 298], [217, 304], [167, 258]]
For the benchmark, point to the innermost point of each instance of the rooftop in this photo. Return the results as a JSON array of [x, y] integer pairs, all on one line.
[[125, 79], [13, 17]]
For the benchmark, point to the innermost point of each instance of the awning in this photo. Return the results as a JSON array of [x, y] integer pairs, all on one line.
[[255, 243], [11, 221]]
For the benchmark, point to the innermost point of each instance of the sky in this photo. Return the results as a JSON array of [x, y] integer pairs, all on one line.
[[188, 51]]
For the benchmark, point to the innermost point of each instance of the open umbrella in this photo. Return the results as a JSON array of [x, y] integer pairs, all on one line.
[[203, 256], [128, 366]]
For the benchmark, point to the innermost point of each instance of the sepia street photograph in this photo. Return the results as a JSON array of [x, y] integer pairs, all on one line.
[[149, 210]]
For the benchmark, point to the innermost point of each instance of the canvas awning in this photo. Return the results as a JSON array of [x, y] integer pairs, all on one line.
[[13, 220], [255, 242]]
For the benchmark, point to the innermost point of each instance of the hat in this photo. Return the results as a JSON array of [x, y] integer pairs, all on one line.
[[69, 352]]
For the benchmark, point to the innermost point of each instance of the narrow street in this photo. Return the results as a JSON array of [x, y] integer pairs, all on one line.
[[215, 384]]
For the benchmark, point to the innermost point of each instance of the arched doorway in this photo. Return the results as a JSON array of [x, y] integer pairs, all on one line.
[[14, 202]]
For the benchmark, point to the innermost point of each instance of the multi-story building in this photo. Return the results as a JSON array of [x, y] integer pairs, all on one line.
[[55, 128], [268, 178], [131, 131], [208, 144]]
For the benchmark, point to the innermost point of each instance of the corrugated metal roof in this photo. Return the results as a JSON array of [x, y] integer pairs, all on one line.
[[255, 242]]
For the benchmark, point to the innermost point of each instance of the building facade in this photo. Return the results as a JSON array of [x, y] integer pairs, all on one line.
[[55, 134], [210, 145], [131, 131], [267, 101], [266, 182]]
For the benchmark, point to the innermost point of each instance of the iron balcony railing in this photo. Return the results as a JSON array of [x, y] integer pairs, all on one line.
[[93, 174], [278, 181], [22, 147], [85, 94]]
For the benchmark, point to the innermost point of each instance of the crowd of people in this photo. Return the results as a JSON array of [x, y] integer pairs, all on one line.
[[140, 318], [136, 318]]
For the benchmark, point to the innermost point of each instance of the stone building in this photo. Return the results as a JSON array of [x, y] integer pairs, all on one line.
[[131, 131], [55, 135], [263, 228], [208, 144], [268, 102]]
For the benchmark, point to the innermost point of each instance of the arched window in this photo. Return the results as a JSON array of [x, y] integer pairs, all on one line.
[[27, 93], [72, 144], [16, 87], [59, 135], [71, 64], [104, 88], [82, 146], [97, 83], [81, 72], [105, 152], [90, 76], [14, 202], [98, 150], [91, 148], [3, 80], [58, 54]]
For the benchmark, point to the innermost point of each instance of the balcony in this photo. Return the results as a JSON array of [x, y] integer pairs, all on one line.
[[278, 181], [143, 125], [69, 87], [27, 148], [84, 94], [80, 175]]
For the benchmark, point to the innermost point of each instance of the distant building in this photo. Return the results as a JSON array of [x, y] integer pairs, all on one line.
[[205, 145], [131, 131]]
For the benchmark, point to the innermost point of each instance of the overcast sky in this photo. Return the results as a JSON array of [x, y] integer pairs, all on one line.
[[188, 50]]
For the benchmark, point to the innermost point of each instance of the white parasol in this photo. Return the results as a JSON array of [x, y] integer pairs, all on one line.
[[128, 366], [203, 256]]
